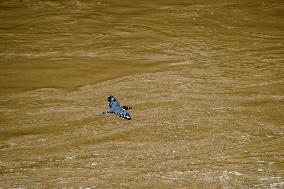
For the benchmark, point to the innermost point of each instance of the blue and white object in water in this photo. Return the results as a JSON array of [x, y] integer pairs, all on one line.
[[114, 107]]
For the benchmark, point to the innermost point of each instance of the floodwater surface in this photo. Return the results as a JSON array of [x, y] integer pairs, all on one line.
[[205, 80]]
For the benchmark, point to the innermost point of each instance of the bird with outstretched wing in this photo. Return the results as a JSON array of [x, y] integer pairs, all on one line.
[[120, 111]]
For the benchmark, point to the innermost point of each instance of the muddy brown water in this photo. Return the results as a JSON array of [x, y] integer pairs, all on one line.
[[205, 80]]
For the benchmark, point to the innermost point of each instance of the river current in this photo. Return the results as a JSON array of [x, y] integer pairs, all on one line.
[[205, 80]]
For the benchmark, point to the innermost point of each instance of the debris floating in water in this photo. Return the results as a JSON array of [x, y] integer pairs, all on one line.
[[70, 157]]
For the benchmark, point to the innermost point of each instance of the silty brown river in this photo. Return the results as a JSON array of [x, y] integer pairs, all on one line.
[[205, 80]]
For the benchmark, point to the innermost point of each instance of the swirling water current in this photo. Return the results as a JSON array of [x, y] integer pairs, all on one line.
[[205, 80]]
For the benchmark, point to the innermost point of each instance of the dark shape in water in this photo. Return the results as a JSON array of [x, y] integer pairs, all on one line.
[[114, 107]]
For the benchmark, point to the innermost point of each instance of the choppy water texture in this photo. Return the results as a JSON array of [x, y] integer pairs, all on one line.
[[205, 80]]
